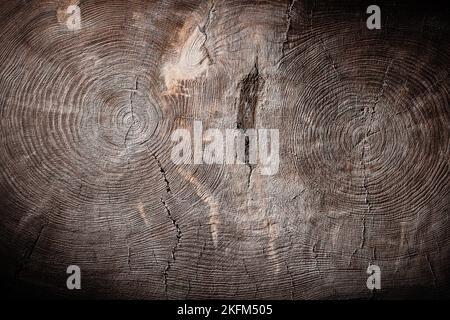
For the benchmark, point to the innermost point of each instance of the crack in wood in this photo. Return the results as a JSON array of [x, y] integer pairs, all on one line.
[[171, 261], [164, 175], [203, 31], [288, 27], [248, 102], [133, 120], [27, 255]]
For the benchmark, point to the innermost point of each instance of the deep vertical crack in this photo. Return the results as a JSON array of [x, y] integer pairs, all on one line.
[[248, 98], [248, 102], [247, 161], [128, 255], [171, 260], [163, 173]]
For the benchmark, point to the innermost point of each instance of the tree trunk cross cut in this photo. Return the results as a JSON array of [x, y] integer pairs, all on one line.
[[92, 91]]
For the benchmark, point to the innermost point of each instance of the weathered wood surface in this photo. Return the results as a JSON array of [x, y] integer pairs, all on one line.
[[87, 179]]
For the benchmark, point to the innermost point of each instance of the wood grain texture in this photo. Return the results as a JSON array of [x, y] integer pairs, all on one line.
[[87, 179]]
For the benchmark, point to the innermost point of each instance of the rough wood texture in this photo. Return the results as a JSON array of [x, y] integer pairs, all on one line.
[[87, 179]]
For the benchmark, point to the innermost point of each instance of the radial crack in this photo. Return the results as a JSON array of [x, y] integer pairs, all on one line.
[[128, 255], [27, 256], [369, 122], [133, 120], [288, 271], [288, 26], [203, 29], [298, 194], [383, 84], [431, 271], [175, 248], [163, 173], [366, 190], [251, 279], [330, 58]]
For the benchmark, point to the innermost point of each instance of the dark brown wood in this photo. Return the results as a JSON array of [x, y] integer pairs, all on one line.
[[87, 178]]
